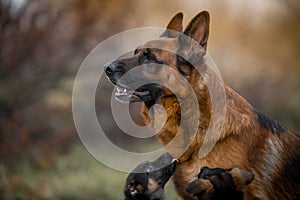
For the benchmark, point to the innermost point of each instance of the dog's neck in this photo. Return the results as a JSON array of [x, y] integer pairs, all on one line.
[[239, 115], [237, 120], [172, 123]]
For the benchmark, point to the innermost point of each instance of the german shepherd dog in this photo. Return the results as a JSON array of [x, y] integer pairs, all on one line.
[[147, 180], [220, 184], [249, 139]]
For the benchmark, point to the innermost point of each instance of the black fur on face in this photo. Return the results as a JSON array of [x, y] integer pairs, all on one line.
[[150, 182]]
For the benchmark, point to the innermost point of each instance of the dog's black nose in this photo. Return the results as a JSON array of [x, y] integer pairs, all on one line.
[[108, 69], [111, 68]]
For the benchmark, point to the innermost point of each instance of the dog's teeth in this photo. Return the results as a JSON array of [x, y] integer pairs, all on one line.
[[121, 90]]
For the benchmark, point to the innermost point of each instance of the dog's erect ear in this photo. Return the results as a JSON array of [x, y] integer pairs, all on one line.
[[174, 26], [198, 28]]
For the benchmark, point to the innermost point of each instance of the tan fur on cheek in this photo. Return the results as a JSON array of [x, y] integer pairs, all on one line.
[[206, 184], [209, 189], [208, 193], [136, 190], [139, 189], [152, 185]]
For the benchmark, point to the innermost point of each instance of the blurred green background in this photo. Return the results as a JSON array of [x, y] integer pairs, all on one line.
[[255, 44]]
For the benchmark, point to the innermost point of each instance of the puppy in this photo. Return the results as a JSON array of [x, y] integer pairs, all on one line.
[[220, 184], [147, 180]]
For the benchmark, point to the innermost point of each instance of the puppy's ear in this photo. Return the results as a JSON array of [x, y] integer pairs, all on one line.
[[248, 176], [198, 28], [241, 177], [174, 26], [199, 186]]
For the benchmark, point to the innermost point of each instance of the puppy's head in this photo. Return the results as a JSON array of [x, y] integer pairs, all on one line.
[[148, 179], [218, 183]]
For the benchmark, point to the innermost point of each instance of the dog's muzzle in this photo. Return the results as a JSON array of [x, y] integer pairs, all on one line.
[[114, 71], [125, 93]]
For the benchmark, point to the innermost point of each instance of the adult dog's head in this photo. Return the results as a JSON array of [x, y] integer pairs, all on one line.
[[154, 54]]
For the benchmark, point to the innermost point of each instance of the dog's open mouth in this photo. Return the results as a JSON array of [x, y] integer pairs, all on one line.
[[125, 95]]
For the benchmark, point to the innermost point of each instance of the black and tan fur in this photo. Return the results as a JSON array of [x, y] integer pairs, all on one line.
[[220, 184], [147, 180], [249, 140]]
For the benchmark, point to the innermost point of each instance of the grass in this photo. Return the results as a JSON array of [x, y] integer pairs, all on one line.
[[76, 175]]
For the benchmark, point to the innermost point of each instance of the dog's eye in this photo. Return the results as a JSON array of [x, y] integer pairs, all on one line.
[[149, 58]]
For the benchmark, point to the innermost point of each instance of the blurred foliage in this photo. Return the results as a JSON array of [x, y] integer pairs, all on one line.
[[80, 178], [42, 44]]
